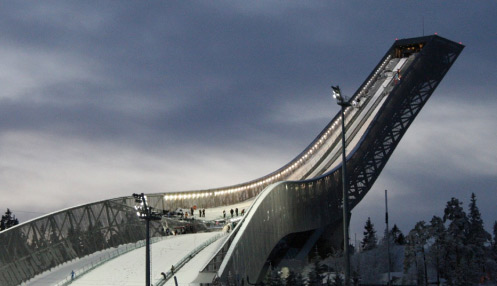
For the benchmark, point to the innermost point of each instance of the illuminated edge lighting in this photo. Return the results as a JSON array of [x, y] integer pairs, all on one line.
[[290, 168]]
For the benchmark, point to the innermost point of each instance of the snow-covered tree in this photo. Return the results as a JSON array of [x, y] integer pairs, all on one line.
[[415, 252], [316, 276], [292, 279], [274, 279], [8, 220], [313, 279], [370, 240], [456, 244], [436, 251], [337, 281]]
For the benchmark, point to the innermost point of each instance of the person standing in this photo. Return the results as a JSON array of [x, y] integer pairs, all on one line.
[[236, 211], [231, 211], [203, 212], [224, 213]]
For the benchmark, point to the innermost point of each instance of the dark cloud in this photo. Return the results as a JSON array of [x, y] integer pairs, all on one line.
[[150, 95]]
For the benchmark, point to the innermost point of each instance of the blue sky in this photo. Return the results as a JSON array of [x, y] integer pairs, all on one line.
[[103, 99]]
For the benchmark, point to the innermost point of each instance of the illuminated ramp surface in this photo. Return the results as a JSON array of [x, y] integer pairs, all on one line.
[[285, 200]]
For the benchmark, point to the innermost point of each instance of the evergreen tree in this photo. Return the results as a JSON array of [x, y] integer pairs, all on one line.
[[436, 251], [492, 262], [54, 233], [8, 220], [401, 240], [397, 236], [75, 237], [495, 239], [313, 279], [456, 271], [369, 241], [291, 279], [477, 233], [328, 281], [338, 281], [417, 239], [274, 279], [477, 241], [93, 238], [316, 276], [300, 280]]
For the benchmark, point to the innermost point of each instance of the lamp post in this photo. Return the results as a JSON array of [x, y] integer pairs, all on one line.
[[388, 237], [145, 212], [344, 104]]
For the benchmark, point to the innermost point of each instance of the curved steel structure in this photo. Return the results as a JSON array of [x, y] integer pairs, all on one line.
[[291, 207], [287, 199]]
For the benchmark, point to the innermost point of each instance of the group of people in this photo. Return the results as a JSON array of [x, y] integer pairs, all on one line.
[[233, 212], [201, 212]]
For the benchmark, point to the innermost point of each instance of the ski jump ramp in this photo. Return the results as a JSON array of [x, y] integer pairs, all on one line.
[[285, 201]]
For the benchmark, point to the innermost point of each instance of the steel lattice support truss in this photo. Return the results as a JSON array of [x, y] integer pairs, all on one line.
[[39, 245], [406, 101]]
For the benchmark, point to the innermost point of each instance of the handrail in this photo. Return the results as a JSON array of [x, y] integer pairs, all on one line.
[[167, 275]]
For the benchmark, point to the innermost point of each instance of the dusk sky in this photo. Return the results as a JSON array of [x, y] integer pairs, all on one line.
[[103, 99]]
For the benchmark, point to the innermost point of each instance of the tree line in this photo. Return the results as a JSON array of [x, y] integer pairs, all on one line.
[[453, 249], [456, 247]]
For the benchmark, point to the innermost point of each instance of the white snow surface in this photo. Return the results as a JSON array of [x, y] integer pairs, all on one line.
[[63, 271], [129, 268], [188, 273]]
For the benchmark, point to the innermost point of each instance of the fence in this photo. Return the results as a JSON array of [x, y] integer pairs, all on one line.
[[167, 275]]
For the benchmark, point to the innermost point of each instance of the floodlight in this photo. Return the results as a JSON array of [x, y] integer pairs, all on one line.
[[138, 198], [336, 92]]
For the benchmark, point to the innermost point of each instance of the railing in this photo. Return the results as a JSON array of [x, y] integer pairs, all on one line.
[[167, 275]]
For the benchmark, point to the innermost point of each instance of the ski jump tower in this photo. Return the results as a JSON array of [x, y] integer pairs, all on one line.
[[282, 221]]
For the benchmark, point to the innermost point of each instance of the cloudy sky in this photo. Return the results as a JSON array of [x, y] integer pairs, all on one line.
[[103, 99]]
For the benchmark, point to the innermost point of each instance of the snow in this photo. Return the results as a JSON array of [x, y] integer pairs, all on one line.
[[129, 268], [63, 271], [188, 273]]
